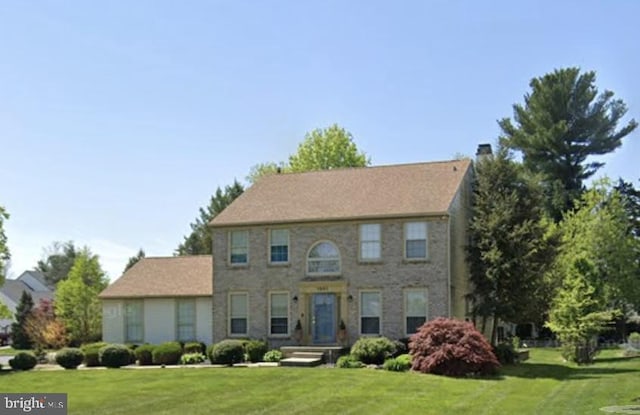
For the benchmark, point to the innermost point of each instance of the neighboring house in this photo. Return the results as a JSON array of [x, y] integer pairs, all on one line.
[[381, 249], [158, 300], [32, 282]]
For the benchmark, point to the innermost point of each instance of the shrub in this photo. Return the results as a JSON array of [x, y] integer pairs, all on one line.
[[451, 347], [402, 363], [634, 340], [115, 355], [167, 353], [144, 354], [132, 352], [194, 347], [506, 353], [227, 352], [23, 361], [402, 346], [272, 356], [92, 353], [349, 362], [192, 358], [255, 350], [373, 350], [69, 357]]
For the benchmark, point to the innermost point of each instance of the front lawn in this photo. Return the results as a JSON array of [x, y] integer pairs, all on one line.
[[544, 384]]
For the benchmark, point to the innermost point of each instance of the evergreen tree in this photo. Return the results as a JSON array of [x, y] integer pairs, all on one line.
[[19, 336], [134, 259], [563, 122], [508, 252], [58, 262], [198, 242]]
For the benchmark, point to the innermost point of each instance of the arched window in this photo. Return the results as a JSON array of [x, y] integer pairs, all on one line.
[[323, 259]]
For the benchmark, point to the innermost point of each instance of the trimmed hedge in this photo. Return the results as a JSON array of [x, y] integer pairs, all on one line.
[[144, 354], [192, 358], [92, 353], [373, 350], [115, 355], [23, 361], [167, 353], [452, 347], [69, 357], [226, 352], [255, 350], [194, 347]]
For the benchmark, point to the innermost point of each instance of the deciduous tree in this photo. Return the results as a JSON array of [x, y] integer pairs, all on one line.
[[562, 123], [76, 302], [59, 259], [4, 258]]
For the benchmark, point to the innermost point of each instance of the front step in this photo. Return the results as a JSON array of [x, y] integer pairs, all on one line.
[[303, 359]]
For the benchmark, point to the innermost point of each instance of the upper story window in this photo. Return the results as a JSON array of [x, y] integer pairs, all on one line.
[[370, 242], [239, 247], [279, 246], [415, 240], [323, 259]]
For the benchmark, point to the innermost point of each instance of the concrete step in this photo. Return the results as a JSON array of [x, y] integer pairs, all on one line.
[[308, 355], [301, 361]]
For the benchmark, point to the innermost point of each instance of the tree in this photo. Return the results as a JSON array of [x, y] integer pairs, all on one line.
[[58, 262], [596, 268], [324, 149], [563, 122], [509, 250], [134, 259], [198, 242], [19, 336], [44, 329], [265, 169], [77, 303], [631, 202], [5, 255]]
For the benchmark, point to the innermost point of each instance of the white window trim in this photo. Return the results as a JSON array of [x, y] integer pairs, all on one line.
[[404, 306], [229, 316], [324, 274], [194, 321], [229, 246], [288, 333], [361, 241], [379, 292], [426, 242], [288, 247], [125, 325]]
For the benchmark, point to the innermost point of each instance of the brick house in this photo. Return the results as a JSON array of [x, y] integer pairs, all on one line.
[[380, 249]]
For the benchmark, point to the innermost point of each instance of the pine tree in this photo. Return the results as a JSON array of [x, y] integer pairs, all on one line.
[[19, 336]]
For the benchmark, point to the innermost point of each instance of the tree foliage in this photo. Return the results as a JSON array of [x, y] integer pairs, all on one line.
[[631, 202], [134, 259], [328, 148], [509, 250], [562, 123], [5, 255], [44, 329], [19, 336], [60, 257], [322, 149], [77, 303], [198, 242], [596, 269]]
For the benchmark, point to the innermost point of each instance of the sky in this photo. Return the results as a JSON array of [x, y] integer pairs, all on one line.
[[119, 119]]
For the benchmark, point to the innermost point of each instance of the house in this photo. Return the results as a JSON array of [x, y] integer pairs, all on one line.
[[380, 249], [32, 282], [158, 300]]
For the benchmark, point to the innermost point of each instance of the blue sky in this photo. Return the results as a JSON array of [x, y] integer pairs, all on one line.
[[119, 119]]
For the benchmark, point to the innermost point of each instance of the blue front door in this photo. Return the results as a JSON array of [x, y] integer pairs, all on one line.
[[323, 318]]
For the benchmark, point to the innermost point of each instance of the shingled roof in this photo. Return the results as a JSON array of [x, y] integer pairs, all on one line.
[[181, 276], [341, 194]]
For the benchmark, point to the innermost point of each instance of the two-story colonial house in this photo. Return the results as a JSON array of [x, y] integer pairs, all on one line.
[[380, 249]]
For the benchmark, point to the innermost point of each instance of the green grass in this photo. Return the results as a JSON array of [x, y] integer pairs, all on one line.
[[542, 385]]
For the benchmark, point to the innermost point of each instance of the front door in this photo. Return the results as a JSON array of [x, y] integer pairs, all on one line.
[[323, 318]]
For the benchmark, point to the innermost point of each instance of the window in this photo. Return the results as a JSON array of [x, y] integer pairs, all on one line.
[[279, 314], [369, 242], [323, 259], [415, 236], [238, 314], [279, 246], [186, 319], [370, 310], [239, 247], [415, 308], [133, 321]]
